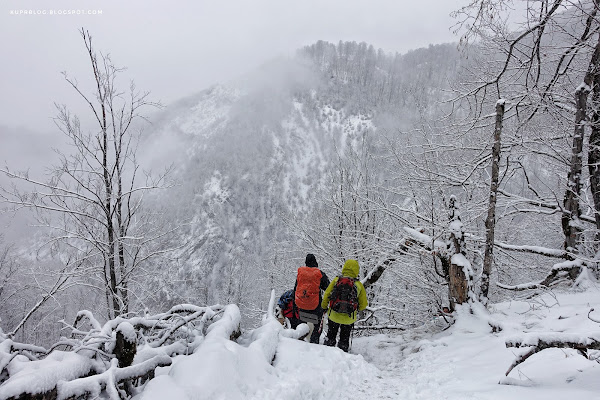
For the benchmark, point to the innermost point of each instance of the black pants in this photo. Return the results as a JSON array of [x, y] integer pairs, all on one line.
[[294, 322], [345, 332]]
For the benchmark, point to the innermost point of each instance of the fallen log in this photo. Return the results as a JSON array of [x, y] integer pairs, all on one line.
[[538, 342]]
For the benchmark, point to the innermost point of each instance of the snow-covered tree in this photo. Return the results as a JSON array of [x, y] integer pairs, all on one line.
[[92, 204]]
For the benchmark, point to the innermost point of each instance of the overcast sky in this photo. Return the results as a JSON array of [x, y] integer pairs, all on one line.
[[177, 48]]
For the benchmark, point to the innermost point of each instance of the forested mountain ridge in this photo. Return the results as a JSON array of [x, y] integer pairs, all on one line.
[[343, 151], [464, 181], [254, 152], [347, 153]]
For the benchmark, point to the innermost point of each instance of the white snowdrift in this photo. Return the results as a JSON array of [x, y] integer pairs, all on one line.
[[466, 361]]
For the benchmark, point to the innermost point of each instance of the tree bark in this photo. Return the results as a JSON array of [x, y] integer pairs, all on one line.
[[572, 211], [459, 281], [594, 141], [490, 222], [458, 289]]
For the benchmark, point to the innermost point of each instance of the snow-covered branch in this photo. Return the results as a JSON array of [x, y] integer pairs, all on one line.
[[109, 359], [568, 270], [535, 342]]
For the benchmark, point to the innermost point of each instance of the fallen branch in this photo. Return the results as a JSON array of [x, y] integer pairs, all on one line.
[[543, 251], [109, 360], [538, 342], [374, 274], [109, 380], [561, 272], [379, 327], [593, 319]]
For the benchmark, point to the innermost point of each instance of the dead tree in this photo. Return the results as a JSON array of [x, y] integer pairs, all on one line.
[[456, 268], [490, 221], [460, 273], [92, 203]]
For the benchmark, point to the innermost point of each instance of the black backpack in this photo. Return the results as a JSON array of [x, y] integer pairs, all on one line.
[[344, 296]]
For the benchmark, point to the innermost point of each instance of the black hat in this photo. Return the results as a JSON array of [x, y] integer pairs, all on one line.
[[311, 261]]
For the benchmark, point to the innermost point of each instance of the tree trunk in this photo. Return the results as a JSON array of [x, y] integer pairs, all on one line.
[[490, 221], [457, 266], [571, 213], [594, 149], [123, 294], [458, 288]]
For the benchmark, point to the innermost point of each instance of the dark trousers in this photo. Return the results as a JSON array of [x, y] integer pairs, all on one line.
[[294, 322], [345, 331]]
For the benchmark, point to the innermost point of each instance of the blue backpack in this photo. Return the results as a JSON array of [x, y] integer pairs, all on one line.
[[286, 304]]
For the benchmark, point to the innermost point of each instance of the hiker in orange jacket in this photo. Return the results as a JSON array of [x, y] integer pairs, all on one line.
[[310, 281], [343, 298]]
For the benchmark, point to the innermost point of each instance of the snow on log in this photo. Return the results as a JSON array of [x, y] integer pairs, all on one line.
[[301, 331], [560, 272], [557, 253], [479, 310], [265, 339], [426, 241], [92, 386], [229, 324], [39, 377], [588, 340], [544, 251], [105, 360], [536, 342], [523, 286]]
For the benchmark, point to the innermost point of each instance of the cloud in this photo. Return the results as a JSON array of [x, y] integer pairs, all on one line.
[[178, 48]]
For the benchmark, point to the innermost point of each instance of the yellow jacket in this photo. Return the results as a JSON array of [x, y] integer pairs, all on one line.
[[350, 269]]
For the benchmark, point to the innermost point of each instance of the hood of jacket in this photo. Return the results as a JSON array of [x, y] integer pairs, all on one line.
[[351, 269]]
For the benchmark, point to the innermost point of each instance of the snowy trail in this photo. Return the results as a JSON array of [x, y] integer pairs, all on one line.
[[468, 361], [464, 362], [309, 371]]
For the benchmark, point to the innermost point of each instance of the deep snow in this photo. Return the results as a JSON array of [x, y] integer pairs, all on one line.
[[464, 361]]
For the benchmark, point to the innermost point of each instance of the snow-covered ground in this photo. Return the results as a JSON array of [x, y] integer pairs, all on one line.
[[465, 361]]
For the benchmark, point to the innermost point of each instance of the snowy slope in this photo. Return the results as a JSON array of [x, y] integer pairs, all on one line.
[[246, 154], [466, 361]]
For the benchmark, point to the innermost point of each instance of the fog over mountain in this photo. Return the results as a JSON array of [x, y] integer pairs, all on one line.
[[448, 196], [254, 156]]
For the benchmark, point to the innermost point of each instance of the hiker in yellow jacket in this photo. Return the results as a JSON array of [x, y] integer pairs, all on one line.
[[343, 298]]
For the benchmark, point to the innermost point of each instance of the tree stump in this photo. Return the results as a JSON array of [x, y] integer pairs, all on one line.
[[126, 346], [459, 286]]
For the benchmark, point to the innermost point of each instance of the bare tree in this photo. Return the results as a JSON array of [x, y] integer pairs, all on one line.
[[93, 203], [540, 73], [490, 221]]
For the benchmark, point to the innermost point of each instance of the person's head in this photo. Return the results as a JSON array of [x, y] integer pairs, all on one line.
[[311, 261], [351, 269]]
